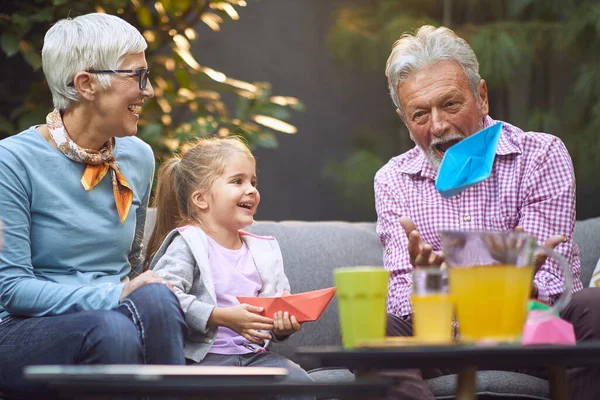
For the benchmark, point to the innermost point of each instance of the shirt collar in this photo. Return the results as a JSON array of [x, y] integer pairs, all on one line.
[[419, 163], [506, 143]]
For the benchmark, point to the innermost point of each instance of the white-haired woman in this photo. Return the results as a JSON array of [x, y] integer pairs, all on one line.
[[73, 199]]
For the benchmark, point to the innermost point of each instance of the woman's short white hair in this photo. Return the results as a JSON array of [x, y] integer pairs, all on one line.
[[91, 41], [426, 47]]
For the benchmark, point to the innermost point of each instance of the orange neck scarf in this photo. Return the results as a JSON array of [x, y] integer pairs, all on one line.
[[98, 163]]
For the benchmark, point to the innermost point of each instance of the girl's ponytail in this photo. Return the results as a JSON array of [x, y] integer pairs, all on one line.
[[168, 216]]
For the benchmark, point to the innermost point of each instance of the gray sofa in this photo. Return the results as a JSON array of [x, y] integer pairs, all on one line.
[[311, 250]]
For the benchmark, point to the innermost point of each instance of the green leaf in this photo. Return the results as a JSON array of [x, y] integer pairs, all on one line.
[[47, 14], [267, 140], [168, 5], [498, 52], [9, 43], [242, 107], [59, 2], [6, 126], [181, 5], [144, 16], [354, 175], [298, 106], [32, 117], [275, 111], [152, 130], [21, 24], [30, 55], [151, 134], [183, 78], [542, 121]]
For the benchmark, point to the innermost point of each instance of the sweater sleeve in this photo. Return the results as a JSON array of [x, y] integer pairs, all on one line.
[[20, 291], [178, 266], [282, 278], [136, 255]]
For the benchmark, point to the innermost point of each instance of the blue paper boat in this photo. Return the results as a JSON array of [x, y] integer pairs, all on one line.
[[468, 162]]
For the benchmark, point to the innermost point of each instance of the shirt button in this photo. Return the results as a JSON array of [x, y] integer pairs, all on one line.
[[467, 218], [388, 251]]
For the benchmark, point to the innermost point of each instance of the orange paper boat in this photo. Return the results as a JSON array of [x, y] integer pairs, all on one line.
[[306, 307]]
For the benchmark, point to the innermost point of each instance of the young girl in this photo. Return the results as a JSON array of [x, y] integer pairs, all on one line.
[[204, 199]]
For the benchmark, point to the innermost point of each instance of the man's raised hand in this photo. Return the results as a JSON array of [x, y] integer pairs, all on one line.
[[421, 254]]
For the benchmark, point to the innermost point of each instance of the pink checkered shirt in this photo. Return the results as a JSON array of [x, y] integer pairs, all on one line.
[[532, 185]]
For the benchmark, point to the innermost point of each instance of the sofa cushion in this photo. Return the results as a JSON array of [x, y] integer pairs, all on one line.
[[595, 281], [311, 250], [587, 236], [325, 375], [495, 384], [502, 384]]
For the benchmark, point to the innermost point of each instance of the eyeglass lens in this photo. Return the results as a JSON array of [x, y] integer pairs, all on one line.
[[143, 76]]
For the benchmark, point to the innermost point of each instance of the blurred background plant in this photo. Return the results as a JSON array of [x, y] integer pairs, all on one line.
[[526, 50], [191, 99]]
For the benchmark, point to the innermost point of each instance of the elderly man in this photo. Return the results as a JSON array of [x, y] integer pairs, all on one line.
[[434, 81]]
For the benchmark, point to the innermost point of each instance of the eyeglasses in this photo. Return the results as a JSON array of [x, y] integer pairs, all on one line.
[[142, 74]]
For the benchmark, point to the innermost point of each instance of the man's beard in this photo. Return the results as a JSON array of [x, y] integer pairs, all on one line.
[[431, 154]]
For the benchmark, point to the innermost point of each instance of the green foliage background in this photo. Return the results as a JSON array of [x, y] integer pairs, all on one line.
[[191, 99], [540, 59]]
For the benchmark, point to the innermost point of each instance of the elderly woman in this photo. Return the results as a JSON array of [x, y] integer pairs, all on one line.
[[73, 198]]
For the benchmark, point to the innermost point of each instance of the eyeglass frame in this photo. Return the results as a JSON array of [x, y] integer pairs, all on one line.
[[142, 74]]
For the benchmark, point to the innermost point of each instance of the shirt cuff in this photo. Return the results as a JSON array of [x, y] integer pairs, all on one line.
[[116, 295]]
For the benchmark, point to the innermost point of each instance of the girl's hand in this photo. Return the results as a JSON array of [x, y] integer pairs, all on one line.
[[284, 324], [244, 319]]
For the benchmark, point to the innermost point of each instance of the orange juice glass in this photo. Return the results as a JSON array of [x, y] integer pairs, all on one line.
[[491, 302], [491, 276], [432, 305]]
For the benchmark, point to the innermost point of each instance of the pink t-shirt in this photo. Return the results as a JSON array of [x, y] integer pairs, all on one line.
[[234, 275]]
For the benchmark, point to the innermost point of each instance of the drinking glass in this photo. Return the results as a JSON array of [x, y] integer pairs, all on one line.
[[432, 305], [362, 294], [490, 276]]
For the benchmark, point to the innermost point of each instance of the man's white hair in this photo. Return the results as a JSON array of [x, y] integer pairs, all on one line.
[[91, 41], [426, 47]]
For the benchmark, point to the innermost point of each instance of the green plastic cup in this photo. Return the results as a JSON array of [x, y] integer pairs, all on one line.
[[361, 294]]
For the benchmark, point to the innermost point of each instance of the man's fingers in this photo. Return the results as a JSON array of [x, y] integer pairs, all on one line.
[[519, 229], [408, 225], [539, 260], [550, 243], [554, 241], [436, 258], [423, 257], [414, 245]]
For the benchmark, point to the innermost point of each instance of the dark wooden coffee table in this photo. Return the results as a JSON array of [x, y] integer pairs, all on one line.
[[100, 381], [363, 389], [466, 358]]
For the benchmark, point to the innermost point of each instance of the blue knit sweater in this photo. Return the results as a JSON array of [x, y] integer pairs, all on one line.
[[65, 249]]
